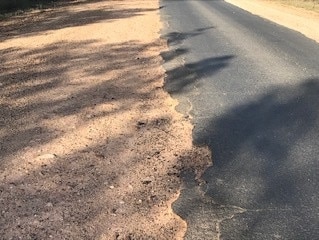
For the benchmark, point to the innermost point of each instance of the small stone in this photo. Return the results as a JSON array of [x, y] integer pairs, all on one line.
[[100, 155], [153, 198], [111, 187], [122, 202], [141, 124], [147, 181], [49, 204], [36, 222], [157, 152], [47, 156]]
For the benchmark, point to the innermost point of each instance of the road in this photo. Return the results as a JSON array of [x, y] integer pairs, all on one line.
[[251, 88]]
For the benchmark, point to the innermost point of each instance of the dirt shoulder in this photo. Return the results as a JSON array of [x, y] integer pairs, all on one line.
[[90, 144], [298, 19]]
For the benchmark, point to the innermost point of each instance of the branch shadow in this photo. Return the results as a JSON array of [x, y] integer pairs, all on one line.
[[177, 38], [182, 78], [40, 73], [64, 195]]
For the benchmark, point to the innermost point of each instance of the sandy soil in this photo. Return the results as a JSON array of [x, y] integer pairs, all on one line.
[[298, 19], [90, 144]]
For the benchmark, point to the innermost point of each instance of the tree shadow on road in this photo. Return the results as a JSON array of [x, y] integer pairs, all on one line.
[[183, 78], [264, 159]]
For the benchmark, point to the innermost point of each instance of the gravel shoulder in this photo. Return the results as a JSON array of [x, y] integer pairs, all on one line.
[[91, 146], [298, 19]]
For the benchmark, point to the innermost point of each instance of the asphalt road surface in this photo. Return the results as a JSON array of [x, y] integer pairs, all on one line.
[[252, 90]]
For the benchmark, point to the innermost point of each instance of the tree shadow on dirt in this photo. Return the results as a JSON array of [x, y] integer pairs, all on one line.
[[40, 73], [263, 179], [65, 16], [9, 6], [48, 96]]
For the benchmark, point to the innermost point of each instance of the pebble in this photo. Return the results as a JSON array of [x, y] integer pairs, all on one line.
[[47, 156], [146, 181]]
